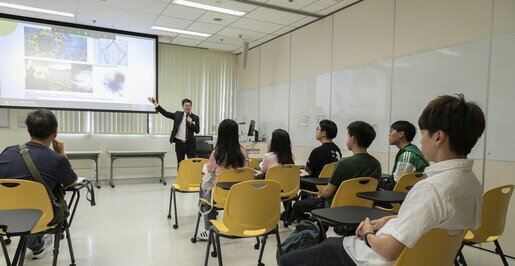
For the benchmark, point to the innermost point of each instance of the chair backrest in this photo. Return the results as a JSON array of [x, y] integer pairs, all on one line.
[[254, 163], [346, 193], [253, 208], [24, 194], [493, 214], [326, 172], [230, 175], [407, 181], [288, 175], [436, 247], [190, 173]]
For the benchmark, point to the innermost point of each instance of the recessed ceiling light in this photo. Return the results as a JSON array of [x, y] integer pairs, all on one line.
[[210, 8], [35, 9], [217, 19], [194, 33]]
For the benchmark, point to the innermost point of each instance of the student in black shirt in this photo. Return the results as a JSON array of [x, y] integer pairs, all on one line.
[[326, 153]]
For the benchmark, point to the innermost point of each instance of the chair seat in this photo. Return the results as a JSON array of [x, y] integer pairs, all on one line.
[[184, 189], [220, 226], [469, 237]]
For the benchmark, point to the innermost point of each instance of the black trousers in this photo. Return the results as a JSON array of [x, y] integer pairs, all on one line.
[[330, 252], [185, 148]]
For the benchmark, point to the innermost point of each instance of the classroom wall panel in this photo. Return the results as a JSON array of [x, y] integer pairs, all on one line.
[[363, 93], [247, 108], [371, 42], [248, 78], [273, 108], [275, 61], [422, 25], [305, 115], [311, 49], [504, 18]]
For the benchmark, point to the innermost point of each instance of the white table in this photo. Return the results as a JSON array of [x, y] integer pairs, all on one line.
[[137, 154], [86, 155]]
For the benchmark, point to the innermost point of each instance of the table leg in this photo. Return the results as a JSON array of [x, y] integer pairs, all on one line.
[[70, 246], [111, 176], [96, 173], [162, 170]]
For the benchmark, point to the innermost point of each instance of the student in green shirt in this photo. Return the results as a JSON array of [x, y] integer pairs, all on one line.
[[409, 158], [359, 137]]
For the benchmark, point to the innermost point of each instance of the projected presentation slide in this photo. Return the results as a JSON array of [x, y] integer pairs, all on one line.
[[43, 65]]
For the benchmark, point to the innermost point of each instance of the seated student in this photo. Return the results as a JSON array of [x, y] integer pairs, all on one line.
[[409, 158], [450, 198], [228, 153], [54, 167], [359, 137], [324, 154], [279, 151]]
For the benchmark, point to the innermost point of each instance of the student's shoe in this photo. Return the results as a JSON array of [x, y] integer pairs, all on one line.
[[203, 236], [48, 242]]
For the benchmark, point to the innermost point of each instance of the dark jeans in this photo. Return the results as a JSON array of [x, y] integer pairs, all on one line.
[[306, 205], [211, 215], [35, 242], [330, 252], [185, 148]]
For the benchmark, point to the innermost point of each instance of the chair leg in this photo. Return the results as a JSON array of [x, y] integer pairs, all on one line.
[[4, 250], [176, 225], [209, 239], [194, 238], [70, 246], [499, 251], [460, 257], [170, 205], [20, 246], [256, 246], [57, 239], [263, 243], [279, 246], [219, 249], [22, 254]]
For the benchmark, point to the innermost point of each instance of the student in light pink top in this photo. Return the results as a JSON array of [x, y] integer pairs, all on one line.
[[279, 151], [228, 153]]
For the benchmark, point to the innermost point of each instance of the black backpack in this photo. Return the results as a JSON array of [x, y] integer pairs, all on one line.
[[306, 234]]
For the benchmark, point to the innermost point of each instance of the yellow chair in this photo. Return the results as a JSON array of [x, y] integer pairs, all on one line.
[[288, 176], [493, 219], [326, 172], [436, 247], [188, 180], [346, 193], [252, 210], [220, 195], [23, 194], [404, 184], [254, 163]]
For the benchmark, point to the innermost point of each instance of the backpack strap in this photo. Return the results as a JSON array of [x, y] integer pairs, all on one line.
[[24, 151]]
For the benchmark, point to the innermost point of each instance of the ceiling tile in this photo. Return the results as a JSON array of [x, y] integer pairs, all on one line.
[[303, 22], [226, 19], [246, 34], [205, 27], [225, 40], [284, 30], [165, 1], [111, 3], [267, 38], [164, 39], [217, 46], [274, 16], [142, 17], [337, 6], [133, 26], [186, 42], [99, 21], [319, 5], [55, 18], [296, 4], [148, 6], [97, 10], [184, 12], [238, 51], [256, 25], [176, 23]]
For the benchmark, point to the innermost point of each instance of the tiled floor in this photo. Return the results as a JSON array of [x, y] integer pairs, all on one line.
[[129, 227]]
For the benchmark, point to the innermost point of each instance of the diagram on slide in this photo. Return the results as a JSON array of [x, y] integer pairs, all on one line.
[[49, 44]]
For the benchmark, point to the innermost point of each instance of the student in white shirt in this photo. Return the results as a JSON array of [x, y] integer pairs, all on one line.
[[450, 198]]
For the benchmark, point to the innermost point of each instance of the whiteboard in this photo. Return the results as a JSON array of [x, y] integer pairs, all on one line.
[[363, 93], [419, 78], [247, 108], [501, 106], [310, 100], [4, 118], [273, 108]]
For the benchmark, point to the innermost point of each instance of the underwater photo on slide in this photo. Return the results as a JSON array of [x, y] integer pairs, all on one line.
[[112, 52], [110, 81], [54, 45], [82, 78], [36, 75]]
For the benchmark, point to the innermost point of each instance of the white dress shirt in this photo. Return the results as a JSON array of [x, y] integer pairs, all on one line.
[[181, 133]]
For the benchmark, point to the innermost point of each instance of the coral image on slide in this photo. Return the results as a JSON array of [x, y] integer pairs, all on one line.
[[112, 52], [82, 78], [36, 75], [111, 81], [48, 44], [59, 77]]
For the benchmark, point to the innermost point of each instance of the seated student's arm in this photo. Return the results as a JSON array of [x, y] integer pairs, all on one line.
[[404, 165], [338, 176], [328, 191], [65, 174], [386, 246]]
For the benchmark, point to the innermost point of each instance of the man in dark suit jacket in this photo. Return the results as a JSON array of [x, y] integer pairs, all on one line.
[[184, 125]]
